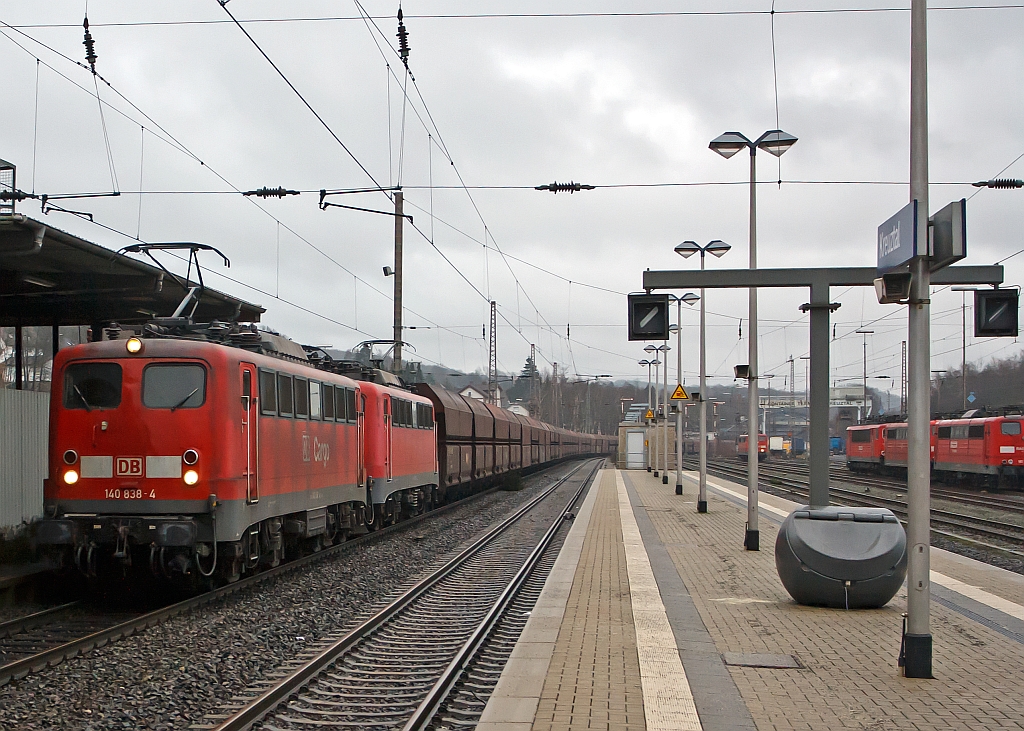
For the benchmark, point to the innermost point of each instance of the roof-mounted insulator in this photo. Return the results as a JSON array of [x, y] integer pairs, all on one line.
[[90, 46], [1000, 183], [271, 192], [569, 187], [403, 41]]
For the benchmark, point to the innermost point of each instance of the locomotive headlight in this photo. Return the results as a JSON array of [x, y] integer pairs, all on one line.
[[190, 477], [71, 477], [134, 345], [190, 457]]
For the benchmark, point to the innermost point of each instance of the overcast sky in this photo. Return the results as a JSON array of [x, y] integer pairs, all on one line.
[[522, 101]]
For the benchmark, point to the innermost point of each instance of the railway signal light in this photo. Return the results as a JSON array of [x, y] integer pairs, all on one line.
[[648, 316], [995, 313]]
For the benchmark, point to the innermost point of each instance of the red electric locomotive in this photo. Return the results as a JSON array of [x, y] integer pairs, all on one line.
[[989, 450], [400, 451], [762, 447], [864, 447]]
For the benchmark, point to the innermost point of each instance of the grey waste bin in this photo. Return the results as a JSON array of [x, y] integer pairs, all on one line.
[[842, 557]]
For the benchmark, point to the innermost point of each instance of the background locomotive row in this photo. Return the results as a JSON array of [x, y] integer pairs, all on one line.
[[989, 449]]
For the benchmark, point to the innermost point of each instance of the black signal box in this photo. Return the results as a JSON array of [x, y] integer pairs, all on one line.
[[995, 313], [648, 316]]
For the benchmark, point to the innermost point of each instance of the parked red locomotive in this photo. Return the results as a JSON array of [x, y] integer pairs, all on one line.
[[185, 458], [762, 447], [985, 450]]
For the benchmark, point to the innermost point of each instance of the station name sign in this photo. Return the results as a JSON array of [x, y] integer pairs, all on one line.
[[897, 239]]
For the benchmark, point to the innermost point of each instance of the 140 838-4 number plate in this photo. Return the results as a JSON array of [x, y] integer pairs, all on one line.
[[128, 493]]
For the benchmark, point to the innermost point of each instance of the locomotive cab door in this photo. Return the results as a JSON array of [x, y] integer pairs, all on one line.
[[389, 446], [360, 438], [250, 431]]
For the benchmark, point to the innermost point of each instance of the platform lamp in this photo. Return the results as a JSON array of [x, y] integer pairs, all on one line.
[[864, 396], [775, 142], [689, 298], [647, 421], [664, 348], [652, 406], [687, 249]]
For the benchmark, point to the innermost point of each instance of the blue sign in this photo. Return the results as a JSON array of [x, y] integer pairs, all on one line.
[[971, 398], [897, 239]]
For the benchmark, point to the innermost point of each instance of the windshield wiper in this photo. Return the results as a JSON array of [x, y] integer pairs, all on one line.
[[82, 396], [182, 402]]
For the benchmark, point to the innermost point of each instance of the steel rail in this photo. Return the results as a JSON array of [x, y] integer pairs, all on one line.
[[257, 709], [1007, 503], [20, 668], [19, 624], [436, 696], [841, 474]]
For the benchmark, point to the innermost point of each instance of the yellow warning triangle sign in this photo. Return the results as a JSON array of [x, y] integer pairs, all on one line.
[[650, 414], [679, 394]]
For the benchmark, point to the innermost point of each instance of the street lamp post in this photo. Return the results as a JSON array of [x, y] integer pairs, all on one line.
[[864, 396], [647, 363], [653, 350], [664, 401], [686, 249], [689, 298], [775, 142]]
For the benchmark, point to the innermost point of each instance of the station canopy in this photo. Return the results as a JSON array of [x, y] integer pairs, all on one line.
[[49, 277]]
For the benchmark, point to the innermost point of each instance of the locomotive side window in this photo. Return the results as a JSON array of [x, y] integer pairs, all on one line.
[[424, 416], [958, 432], [328, 402], [173, 386], [890, 434], [976, 431], [1010, 427], [861, 435], [341, 404], [314, 400], [944, 432], [350, 399], [92, 386], [284, 395], [301, 398], [268, 392]]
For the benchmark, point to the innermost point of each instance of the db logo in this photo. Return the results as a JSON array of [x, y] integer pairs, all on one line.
[[129, 467]]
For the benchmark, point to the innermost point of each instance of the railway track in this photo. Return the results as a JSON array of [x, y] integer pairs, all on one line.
[[963, 525], [433, 653], [1010, 503], [32, 643]]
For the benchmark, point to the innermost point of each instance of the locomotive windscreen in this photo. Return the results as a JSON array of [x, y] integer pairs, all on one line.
[[92, 386], [174, 386]]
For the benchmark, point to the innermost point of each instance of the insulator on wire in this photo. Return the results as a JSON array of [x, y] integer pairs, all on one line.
[[403, 41], [90, 46], [271, 192], [569, 187], [1000, 183]]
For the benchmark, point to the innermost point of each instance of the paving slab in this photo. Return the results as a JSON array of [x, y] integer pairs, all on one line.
[[849, 677]]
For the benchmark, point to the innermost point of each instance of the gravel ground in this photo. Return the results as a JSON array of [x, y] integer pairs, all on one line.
[[170, 675]]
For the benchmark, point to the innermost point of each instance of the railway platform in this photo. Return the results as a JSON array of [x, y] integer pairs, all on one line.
[[655, 617]]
